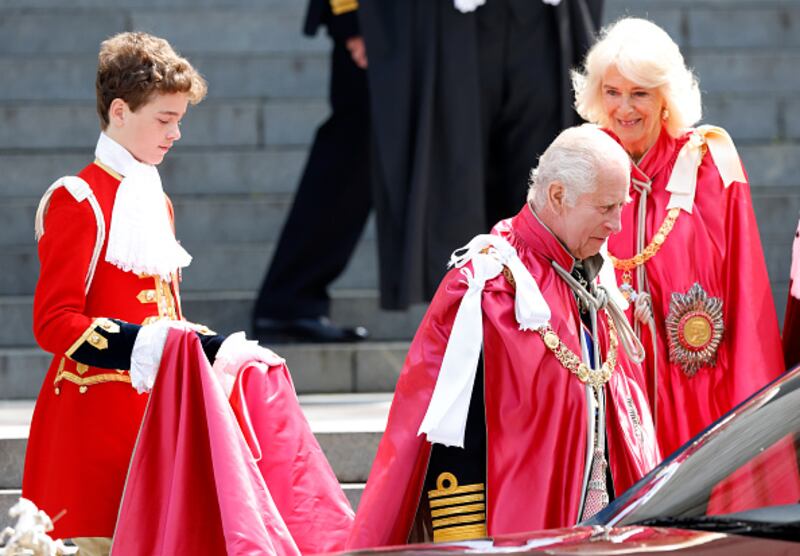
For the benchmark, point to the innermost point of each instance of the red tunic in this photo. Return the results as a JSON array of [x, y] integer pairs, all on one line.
[[86, 419], [718, 247], [536, 410]]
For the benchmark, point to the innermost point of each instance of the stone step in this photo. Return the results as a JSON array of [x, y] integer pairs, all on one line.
[[251, 124], [215, 123], [186, 171], [348, 428], [227, 251], [200, 220], [246, 175], [243, 266], [718, 23], [245, 26], [229, 311], [240, 219], [299, 76], [251, 75], [240, 266], [234, 30], [611, 5], [162, 4], [330, 368]]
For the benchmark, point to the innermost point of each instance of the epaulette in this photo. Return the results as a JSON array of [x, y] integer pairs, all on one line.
[[339, 7], [81, 191]]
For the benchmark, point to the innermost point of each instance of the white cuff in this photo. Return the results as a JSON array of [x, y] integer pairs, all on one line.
[[234, 352], [146, 355]]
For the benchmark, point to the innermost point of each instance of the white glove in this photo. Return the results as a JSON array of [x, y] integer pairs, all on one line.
[[465, 6], [147, 351], [234, 352], [643, 308]]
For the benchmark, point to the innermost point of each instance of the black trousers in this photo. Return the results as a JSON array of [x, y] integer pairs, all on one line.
[[520, 72], [331, 206]]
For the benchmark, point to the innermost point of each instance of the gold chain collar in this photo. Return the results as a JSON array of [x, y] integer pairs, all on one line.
[[595, 378], [626, 265]]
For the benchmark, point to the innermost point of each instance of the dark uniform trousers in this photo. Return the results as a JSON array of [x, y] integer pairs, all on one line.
[[453, 505], [519, 68], [330, 207]]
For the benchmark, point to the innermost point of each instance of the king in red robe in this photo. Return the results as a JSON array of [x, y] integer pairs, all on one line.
[[543, 421]]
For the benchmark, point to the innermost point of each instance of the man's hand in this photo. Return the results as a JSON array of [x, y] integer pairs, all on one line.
[[358, 51], [643, 308]]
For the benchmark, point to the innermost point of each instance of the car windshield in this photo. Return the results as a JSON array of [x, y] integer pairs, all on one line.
[[742, 472]]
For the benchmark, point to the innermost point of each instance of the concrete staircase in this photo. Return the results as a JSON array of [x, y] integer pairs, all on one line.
[[233, 174]]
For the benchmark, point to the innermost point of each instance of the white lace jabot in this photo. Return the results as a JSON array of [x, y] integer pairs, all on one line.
[[141, 239]]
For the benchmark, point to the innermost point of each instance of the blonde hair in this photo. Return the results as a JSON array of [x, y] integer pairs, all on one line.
[[645, 54], [136, 66]]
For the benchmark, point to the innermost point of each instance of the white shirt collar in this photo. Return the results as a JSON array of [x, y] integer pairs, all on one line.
[[140, 239]]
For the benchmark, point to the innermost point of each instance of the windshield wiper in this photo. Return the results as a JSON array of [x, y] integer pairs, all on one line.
[[721, 524]]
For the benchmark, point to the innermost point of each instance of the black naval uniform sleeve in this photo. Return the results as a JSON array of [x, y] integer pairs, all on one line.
[[455, 484], [108, 344], [339, 16]]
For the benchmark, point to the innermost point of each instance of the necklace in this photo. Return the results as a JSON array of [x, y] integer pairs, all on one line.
[[595, 378], [568, 359], [626, 265]]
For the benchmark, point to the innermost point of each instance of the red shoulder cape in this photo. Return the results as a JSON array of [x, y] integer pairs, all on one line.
[[535, 410]]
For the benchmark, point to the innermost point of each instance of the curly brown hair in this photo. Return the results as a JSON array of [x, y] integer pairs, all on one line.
[[135, 66]]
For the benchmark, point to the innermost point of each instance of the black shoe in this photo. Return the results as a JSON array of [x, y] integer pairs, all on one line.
[[309, 329]]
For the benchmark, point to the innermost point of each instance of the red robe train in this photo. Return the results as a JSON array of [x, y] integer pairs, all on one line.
[[535, 409], [197, 485], [295, 470], [193, 485], [717, 246]]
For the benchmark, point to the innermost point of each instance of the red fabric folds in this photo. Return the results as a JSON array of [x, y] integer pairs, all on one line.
[[717, 246], [193, 486], [536, 412], [299, 477], [791, 331]]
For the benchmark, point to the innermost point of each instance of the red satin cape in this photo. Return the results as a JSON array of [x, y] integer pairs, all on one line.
[[536, 415], [718, 246]]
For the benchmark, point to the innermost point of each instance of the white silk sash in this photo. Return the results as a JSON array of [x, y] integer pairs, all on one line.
[[683, 181], [445, 420]]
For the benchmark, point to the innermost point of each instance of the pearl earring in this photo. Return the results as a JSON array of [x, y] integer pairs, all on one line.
[[665, 114]]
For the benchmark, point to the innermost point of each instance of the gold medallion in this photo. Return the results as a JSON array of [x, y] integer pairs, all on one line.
[[695, 327]]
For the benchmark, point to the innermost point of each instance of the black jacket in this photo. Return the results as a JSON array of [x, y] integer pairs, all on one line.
[[340, 27]]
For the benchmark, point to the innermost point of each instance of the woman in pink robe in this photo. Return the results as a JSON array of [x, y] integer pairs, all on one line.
[[689, 255]]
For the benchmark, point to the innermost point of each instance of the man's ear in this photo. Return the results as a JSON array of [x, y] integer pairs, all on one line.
[[556, 197], [118, 112]]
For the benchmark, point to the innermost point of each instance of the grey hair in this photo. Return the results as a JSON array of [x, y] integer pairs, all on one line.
[[645, 54], [576, 159]]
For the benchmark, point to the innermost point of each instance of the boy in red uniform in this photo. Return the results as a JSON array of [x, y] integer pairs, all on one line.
[[110, 266]]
